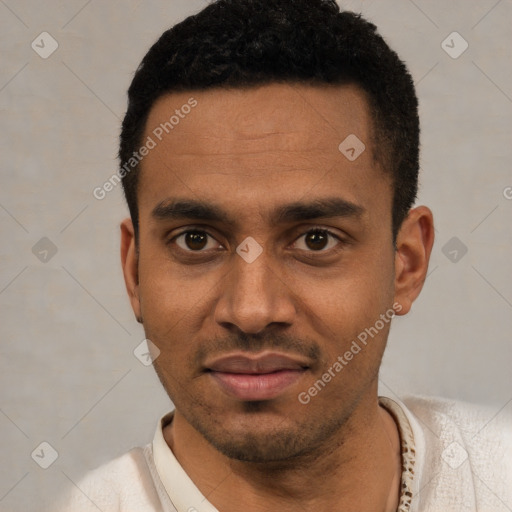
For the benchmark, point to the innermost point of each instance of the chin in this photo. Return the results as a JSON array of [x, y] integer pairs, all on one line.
[[259, 436], [259, 447]]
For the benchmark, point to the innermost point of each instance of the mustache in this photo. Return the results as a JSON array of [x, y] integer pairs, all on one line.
[[253, 343]]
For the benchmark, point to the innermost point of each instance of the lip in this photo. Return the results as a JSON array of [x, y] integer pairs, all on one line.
[[256, 377]]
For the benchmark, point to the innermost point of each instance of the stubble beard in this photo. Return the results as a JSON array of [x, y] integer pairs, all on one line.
[[285, 444], [281, 445]]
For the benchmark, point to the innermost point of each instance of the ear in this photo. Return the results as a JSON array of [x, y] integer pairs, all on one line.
[[129, 262], [413, 247]]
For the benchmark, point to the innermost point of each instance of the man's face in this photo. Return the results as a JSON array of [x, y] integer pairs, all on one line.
[[242, 334]]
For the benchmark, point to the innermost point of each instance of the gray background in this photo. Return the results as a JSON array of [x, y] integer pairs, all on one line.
[[68, 375]]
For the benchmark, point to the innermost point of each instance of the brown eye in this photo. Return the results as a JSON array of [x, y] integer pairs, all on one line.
[[193, 241], [317, 240]]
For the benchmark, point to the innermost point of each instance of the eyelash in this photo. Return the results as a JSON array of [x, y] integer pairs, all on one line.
[[312, 230]]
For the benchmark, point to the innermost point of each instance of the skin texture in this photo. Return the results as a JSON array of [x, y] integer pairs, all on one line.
[[249, 152]]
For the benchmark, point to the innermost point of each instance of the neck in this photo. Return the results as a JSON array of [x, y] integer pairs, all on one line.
[[356, 469]]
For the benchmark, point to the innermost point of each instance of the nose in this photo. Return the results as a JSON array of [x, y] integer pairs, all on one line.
[[253, 296]]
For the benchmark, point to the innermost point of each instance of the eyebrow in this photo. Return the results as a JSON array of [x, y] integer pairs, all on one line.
[[185, 209]]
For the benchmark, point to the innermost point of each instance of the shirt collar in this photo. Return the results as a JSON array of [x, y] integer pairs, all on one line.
[[184, 494], [412, 443]]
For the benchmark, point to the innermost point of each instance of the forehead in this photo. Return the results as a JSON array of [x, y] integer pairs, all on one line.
[[280, 116], [266, 143]]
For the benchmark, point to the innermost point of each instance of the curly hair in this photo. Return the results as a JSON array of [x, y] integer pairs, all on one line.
[[244, 43]]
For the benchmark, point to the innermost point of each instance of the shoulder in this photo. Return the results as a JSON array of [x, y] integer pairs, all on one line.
[[124, 483], [467, 450], [470, 420]]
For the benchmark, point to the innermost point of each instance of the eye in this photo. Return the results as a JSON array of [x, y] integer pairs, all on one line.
[[317, 240], [194, 241], [314, 240]]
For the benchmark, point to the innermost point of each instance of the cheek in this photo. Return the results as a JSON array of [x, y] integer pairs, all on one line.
[[169, 291], [176, 305], [348, 319], [354, 299], [168, 304]]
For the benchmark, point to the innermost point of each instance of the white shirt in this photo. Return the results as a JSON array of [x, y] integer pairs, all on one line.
[[455, 457]]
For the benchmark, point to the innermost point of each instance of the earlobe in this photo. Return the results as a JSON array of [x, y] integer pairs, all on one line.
[[413, 248], [129, 262]]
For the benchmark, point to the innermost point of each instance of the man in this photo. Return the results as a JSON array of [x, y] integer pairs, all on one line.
[[269, 158]]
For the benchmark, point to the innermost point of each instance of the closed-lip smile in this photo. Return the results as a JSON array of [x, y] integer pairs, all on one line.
[[254, 377]]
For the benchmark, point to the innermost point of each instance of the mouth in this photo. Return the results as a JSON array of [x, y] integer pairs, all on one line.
[[258, 377]]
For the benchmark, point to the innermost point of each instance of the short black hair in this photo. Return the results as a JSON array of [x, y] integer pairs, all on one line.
[[245, 43]]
